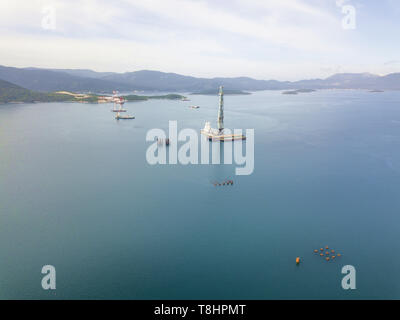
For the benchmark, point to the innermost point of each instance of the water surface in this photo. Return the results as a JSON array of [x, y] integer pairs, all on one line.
[[76, 192]]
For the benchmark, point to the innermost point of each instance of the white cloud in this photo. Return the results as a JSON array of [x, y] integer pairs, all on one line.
[[202, 14], [265, 39]]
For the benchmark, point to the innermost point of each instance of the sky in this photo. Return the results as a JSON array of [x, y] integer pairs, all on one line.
[[263, 39]]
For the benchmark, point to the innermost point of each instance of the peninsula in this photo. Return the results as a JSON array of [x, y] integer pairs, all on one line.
[[12, 93]]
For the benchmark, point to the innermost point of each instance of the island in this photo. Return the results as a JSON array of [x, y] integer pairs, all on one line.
[[226, 92], [171, 96], [298, 91]]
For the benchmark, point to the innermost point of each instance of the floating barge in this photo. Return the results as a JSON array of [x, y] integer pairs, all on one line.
[[218, 134]]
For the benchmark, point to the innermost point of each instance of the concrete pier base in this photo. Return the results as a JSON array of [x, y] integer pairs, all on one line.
[[222, 137]]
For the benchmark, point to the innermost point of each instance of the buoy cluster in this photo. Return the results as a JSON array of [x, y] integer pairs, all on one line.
[[328, 254], [223, 183]]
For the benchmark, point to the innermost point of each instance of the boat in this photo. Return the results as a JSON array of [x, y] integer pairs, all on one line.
[[194, 107], [119, 117]]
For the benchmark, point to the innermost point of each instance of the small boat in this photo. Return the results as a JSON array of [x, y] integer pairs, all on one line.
[[194, 107], [120, 110]]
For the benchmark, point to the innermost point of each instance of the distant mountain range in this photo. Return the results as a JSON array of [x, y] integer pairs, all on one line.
[[81, 80]]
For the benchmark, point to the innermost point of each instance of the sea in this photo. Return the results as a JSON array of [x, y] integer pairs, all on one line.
[[77, 193]]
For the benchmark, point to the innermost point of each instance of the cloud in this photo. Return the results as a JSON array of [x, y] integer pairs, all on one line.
[[392, 62], [274, 38], [263, 25]]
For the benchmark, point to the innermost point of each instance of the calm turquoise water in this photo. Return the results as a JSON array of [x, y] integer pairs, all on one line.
[[76, 192]]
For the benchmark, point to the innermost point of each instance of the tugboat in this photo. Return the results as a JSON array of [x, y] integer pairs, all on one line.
[[119, 117]]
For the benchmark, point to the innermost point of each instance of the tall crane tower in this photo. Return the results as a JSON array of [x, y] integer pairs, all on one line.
[[220, 120]]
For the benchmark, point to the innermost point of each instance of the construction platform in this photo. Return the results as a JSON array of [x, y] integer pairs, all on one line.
[[222, 137], [218, 134]]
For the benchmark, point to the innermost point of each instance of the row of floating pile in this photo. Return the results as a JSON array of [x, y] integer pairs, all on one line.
[[329, 255], [223, 183]]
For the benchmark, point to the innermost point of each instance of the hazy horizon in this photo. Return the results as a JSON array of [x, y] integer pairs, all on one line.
[[275, 39]]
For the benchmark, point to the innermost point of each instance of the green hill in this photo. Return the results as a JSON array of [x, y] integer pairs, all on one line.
[[48, 81], [10, 92]]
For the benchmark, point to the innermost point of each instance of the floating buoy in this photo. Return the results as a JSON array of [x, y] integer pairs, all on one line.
[[321, 254], [322, 249], [327, 258], [316, 251], [326, 247], [338, 254], [297, 260], [333, 251], [333, 257], [327, 253]]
